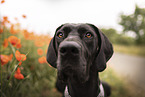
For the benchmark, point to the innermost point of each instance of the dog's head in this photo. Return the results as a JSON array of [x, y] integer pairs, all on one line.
[[75, 48]]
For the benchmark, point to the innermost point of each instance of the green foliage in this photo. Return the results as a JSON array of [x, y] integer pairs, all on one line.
[[116, 38], [39, 79], [135, 23], [119, 85]]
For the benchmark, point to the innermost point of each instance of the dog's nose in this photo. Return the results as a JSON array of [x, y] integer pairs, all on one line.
[[69, 48]]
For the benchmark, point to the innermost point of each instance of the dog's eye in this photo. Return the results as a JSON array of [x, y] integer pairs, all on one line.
[[60, 34], [88, 35]]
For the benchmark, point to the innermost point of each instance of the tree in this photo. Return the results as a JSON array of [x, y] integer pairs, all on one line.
[[117, 38], [135, 23], [111, 34]]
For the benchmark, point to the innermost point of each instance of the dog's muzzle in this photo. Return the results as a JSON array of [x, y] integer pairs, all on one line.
[[71, 60]]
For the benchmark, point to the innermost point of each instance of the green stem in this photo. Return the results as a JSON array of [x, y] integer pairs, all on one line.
[[13, 49], [11, 64], [2, 94], [12, 74], [1, 79], [19, 85]]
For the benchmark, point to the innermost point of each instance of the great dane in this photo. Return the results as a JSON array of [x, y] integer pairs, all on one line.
[[80, 52]]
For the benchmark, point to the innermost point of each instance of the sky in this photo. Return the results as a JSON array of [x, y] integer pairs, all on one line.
[[44, 16]]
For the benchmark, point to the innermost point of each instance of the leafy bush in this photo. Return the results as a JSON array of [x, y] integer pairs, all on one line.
[[116, 38]]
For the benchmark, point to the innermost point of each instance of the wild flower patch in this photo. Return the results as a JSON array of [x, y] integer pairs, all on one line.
[[24, 71]]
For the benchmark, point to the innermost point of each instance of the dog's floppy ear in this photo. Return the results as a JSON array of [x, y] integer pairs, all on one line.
[[51, 52], [105, 50]]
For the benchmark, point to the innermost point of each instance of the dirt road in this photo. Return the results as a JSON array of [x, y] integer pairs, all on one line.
[[131, 67]]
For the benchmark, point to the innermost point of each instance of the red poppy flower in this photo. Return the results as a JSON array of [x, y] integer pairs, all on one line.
[[3, 1], [5, 18], [12, 30], [1, 30], [42, 60], [24, 16], [10, 57], [4, 59], [39, 43], [13, 40], [5, 44], [18, 45], [18, 74], [39, 51], [20, 63], [23, 57], [20, 56]]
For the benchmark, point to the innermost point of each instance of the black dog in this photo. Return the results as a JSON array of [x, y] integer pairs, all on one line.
[[79, 52]]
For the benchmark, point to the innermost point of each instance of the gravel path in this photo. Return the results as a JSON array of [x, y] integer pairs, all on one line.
[[131, 67]]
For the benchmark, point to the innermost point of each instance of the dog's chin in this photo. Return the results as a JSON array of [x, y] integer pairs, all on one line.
[[74, 72], [64, 74], [72, 76], [81, 78]]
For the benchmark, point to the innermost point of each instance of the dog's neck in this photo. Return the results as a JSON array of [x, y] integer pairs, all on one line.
[[87, 89]]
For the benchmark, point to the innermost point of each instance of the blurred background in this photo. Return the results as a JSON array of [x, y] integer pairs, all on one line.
[[27, 26]]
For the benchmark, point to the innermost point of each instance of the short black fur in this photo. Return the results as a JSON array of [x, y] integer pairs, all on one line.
[[79, 54]]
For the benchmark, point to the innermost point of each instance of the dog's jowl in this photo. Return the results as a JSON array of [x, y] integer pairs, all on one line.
[[79, 52]]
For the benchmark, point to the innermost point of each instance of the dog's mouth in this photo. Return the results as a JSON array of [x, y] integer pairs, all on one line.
[[72, 74], [65, 73], [68, 71]]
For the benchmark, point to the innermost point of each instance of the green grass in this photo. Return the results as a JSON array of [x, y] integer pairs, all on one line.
[[130, 49], [120, 86]]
